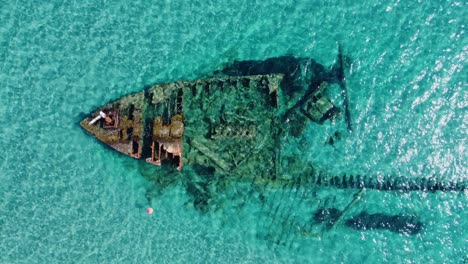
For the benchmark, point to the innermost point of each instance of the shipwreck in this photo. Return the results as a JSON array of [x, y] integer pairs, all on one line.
[[231, 126]]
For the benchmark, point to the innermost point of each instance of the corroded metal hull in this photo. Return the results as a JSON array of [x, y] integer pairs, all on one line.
[[234, 124], [196, 122], [237, 127]]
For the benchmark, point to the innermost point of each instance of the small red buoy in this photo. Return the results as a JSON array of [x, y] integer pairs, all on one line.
[[149, 210]]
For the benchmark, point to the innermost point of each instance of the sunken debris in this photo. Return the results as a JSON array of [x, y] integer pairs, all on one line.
[[223, 138], [405, 224], [304, 84]]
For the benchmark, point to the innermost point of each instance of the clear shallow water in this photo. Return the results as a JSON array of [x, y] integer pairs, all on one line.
[[67, 199]]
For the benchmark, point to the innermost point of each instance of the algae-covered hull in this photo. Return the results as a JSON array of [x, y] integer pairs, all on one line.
[[211, 122], [235, 129], [236, 123]]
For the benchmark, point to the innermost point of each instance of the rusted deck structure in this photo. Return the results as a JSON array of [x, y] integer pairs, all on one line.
[[216, 122]]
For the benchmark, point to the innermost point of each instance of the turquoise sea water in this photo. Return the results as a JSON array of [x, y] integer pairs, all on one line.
[[67, 199]]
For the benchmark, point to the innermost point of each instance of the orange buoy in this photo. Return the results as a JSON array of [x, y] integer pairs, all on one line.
[[149, 210]]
